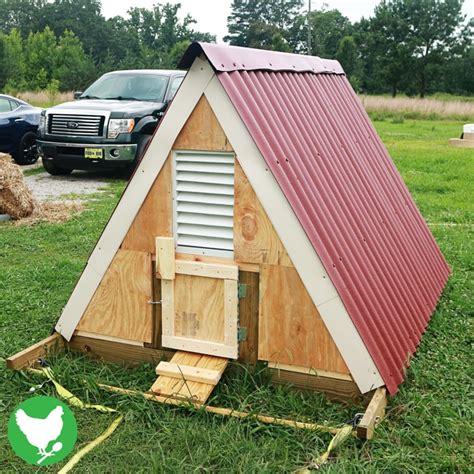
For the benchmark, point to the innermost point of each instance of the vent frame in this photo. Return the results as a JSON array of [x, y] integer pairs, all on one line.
[[188, 198]]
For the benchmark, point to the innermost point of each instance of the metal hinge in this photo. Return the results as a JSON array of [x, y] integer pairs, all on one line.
[[242, 291], [242, 334]]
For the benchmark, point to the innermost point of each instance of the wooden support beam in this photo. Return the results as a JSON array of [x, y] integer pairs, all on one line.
[[165, 257], [373, 414], [31, 354], [186, 372]]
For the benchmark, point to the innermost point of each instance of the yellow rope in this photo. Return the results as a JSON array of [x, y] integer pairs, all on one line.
[[341, 434], [76, 402]]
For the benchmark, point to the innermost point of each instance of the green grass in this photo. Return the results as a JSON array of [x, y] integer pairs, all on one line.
[[428, 426]]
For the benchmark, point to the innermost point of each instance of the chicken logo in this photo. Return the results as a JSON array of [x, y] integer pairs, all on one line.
[[42, 430]]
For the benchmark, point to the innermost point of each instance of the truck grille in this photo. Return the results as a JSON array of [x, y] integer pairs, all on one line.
[[76, 125]]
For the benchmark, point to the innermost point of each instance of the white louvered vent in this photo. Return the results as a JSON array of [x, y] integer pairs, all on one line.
[[204, 202]]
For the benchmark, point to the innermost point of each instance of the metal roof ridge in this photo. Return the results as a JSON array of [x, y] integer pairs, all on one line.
[[226, 58]]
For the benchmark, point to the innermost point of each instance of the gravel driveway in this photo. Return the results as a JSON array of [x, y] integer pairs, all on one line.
[[45, 187]]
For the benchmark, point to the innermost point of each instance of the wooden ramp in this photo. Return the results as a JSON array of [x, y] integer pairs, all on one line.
[[189, 376]]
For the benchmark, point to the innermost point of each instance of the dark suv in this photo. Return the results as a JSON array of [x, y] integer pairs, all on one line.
[[110, 124]]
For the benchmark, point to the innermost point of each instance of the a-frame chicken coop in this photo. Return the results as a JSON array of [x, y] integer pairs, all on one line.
[[266, 221]]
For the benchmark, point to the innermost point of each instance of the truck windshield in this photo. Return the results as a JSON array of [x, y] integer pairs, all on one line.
[[134, 86]]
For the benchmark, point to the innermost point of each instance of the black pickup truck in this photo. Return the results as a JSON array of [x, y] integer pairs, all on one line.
[[109, 125]]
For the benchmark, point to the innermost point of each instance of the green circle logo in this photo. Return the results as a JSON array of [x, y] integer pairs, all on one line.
[[42, 430]]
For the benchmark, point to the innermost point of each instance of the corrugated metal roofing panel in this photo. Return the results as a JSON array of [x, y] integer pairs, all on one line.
[[351, 201]]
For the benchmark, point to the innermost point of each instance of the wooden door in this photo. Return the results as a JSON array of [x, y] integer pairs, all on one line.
[[199, 304]]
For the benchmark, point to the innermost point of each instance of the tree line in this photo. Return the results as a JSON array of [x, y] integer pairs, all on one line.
[[406, 46]]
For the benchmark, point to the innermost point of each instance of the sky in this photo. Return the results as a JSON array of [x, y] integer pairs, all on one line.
[[211, 15]]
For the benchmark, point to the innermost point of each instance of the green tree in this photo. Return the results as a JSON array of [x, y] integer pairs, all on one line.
[[3, 59], [348, 55], [159, 30], [14, 61], [328, 27], [84, 18], [73, 68], [40, 54], [22, 15], [265, 36], [415, 38], [278, 16]]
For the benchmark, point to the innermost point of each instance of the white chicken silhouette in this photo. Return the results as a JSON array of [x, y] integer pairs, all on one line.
[[41, 431]]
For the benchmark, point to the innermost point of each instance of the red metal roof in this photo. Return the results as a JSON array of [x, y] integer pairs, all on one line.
[[335, 172]]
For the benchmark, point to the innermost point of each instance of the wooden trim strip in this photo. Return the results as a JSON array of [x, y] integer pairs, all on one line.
[[117, 352], [167, 307], [186, 372], [309, 371], [165, 258], [231, 305], [209, 270], [104, 337], [202, 347]]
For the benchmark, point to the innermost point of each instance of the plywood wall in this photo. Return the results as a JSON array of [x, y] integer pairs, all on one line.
[[202, 131], [155, 215], [255, 239], [291, 330], [120, 307]]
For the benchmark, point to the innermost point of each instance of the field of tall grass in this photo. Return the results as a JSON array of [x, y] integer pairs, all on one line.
[[44, 98], [440, 107]]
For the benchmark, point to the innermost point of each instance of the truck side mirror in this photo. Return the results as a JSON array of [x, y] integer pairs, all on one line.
[[77, 95]]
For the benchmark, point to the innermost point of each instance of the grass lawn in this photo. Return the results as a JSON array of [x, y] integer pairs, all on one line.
[[428, 426]]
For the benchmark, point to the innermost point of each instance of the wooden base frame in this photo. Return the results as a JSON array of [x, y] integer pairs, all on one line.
[[131, 355]]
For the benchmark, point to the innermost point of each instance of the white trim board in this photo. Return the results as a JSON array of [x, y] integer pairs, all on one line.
[[296, 242], [179, 111]]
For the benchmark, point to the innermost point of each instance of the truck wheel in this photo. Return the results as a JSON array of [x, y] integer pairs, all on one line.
[[53, 169], [27, 152]]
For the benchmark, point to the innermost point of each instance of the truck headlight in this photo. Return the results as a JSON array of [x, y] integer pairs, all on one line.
[[42, 125], [118, 126]]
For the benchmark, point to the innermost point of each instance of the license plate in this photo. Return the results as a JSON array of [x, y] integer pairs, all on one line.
[[93, 153]]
